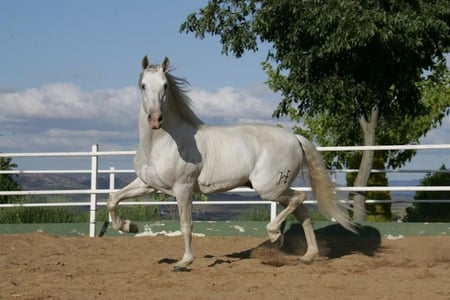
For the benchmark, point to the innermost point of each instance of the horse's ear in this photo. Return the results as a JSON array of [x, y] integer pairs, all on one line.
[[165, 65], [145, 62]]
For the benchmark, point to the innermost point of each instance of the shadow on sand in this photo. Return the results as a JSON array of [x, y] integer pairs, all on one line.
[[334, 241]]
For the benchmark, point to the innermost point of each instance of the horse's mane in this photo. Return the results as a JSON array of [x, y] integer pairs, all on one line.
[[178, 101]]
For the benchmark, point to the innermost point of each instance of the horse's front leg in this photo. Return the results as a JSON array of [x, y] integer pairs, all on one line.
[[134, 189], [185, 211]]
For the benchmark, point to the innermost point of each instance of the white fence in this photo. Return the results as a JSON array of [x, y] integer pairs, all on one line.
[[94, 155]]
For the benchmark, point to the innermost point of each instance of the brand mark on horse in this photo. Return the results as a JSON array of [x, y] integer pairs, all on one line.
[[283, 177]]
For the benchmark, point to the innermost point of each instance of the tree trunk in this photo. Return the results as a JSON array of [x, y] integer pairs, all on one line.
[[368, 127]]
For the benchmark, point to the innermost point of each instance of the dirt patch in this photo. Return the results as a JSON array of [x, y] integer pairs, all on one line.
[[41, 266]]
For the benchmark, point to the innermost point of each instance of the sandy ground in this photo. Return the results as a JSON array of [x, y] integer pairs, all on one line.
[[41, 266]]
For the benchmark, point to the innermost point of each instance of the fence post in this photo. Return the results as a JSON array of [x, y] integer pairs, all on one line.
[[112, 179], [93, 206], [273, 210]]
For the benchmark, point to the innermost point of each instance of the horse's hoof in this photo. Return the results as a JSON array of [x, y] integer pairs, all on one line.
[[129, 227], [180, 269], [133, 228], [308, 258]]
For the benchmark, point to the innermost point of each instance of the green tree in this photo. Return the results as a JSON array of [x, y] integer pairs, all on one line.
[[359, 62], [435, 99], [375, 211], [7, 181], [431, 212]]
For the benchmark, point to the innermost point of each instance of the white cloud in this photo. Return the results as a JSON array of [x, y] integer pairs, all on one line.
[[67, 101], [63, 117], [229, 102], [56, 133]]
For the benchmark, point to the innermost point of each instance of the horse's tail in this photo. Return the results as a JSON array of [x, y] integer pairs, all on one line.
[[322, 186]]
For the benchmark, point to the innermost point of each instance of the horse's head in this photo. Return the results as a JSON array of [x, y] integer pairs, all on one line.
[[153, 86]]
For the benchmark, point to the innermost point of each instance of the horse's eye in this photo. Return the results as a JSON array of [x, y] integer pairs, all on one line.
[[143, 86], [165, 86]]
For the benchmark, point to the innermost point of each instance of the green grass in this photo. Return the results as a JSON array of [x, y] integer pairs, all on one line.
[[22, 215], [262, 213]]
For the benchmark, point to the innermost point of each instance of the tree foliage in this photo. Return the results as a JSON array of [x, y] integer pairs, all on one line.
[[343, 57], [431, 212]]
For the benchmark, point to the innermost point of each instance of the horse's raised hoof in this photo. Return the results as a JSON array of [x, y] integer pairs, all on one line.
[[180, 269]]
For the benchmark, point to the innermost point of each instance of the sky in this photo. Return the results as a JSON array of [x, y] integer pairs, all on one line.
[[69, 71]]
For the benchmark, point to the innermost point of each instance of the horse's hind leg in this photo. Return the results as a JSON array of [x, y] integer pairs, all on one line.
[[134, 189], [312, 250], [290, 200]]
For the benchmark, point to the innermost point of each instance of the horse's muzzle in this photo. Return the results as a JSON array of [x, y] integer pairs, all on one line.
[[155, 121]]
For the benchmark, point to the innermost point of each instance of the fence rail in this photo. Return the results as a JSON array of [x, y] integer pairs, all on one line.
[[93, 191]]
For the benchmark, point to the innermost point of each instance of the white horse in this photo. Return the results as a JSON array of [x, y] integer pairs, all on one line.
[[179, 155]]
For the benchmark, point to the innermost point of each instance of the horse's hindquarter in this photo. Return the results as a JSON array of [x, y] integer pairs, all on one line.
[[233, 156]]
